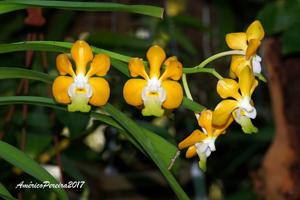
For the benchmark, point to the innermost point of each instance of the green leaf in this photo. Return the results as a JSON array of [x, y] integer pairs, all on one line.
[[4, 193], [54, 46], [140, 134], [22, 161], [85, 6], [9, 7], [13, 72]]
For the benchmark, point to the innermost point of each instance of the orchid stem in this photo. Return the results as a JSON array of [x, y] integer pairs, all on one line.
[[187, 90], [203, 70], [219, 55], [200, 68]]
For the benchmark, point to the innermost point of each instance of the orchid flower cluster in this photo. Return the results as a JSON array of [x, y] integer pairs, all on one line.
[[154, 87]]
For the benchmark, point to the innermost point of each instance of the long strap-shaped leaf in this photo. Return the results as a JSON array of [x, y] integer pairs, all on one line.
[[4, 193], [11, 5], [141, 136], [22, 161]]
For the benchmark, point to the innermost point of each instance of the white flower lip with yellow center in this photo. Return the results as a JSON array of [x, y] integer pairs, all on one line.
[[246, 109], [80, 92], [154, 88], [153, 94], [80, 86]]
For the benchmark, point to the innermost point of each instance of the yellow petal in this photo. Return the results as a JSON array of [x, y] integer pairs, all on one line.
[[173, 69], [221, 129], [174, 94], [191, 152], [204, 121], [132, 91], [64, 65], [99, 66], [82, 54], [252, 47], [236, 60], [194, 137], [155, 55], [228, 88], [60, 89], [254, 85], [237, 40], [246, 79], [136, 68], [223, 111], [101, 91], [255, 31]]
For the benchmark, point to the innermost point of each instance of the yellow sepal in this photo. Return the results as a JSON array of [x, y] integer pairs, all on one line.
[[255, 31], [155, 55], [82, 54]]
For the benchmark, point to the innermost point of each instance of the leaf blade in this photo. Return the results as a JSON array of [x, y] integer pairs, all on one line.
[[90, 6], [22, 161]]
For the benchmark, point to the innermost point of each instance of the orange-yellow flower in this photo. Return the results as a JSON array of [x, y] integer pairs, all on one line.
[[237, 103], [80, 88], [248, 42], [154, 91], [202, 142]]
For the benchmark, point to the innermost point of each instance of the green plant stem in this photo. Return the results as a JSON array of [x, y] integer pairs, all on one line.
[[187, 91], [219, 55], [202, 70]]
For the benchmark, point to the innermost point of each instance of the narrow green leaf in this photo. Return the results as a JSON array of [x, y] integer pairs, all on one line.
[[22, 161], [140, 134], [9, 7], [54, 46], [13, 72], [89, 6], [4, 193]]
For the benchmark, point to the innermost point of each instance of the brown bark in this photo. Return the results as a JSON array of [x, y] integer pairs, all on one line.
[[279, 176]]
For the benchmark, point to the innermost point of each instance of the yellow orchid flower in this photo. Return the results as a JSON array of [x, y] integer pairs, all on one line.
[[203, 142], [154, 91], [249, 42], [237, 103], [80, 88]]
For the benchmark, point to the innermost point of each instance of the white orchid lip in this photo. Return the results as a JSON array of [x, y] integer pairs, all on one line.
[[256, 66], [246, 109], [205, 147], [80, 86], [154, 88]]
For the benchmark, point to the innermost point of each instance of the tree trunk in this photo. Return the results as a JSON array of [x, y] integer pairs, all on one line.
[[279, 176]]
